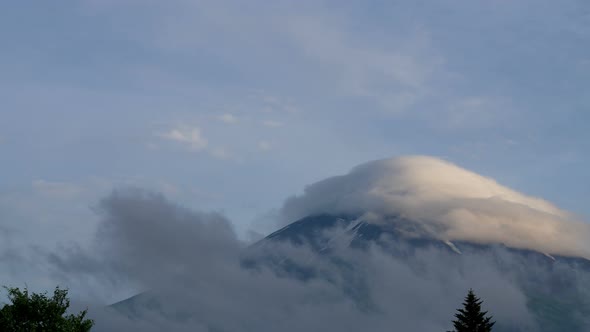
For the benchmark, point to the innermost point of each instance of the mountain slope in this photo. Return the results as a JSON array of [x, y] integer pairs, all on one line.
[[336, 249], [550, 282]]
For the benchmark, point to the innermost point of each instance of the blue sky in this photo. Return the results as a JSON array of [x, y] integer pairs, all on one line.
[[235, 106]]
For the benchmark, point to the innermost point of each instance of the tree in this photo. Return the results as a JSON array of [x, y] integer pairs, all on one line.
[[39, 313], [471, 318]]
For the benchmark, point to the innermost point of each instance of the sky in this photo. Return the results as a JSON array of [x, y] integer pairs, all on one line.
[[142, 133], [235, 106]]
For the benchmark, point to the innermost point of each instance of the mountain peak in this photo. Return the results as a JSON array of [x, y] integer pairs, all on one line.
[[441, 200]]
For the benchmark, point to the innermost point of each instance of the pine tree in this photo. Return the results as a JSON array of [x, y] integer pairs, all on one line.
[[471, 318]]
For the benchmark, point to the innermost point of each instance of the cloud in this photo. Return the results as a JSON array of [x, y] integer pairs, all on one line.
[[395, 78], [477, 112], [445, 202], [276, 103], [264, 145], [272, 123], [56, 189], [189, 136], [220, 153], [228, 118], [190, 263], [271, 99]]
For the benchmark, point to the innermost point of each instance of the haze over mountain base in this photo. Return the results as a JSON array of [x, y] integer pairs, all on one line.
[[393, 245]]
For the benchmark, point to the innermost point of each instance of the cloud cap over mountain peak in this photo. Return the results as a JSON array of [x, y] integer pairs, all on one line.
[[448, 203]]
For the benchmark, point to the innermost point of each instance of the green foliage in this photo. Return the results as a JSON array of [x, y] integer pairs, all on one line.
[[32, 312], [470, 318]]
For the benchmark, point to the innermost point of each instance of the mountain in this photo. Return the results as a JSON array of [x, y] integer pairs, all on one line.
[[398, 242], [311, 231], [549, 281]]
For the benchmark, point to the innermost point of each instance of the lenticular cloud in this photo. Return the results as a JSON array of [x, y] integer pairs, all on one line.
[[447, 202]]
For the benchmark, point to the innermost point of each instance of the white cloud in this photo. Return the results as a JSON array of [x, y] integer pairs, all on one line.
[[446, 202], [264, 145], [189, 136], [272, 123], [228, 118]]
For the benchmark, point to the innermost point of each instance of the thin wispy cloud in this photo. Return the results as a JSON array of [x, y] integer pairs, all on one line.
[[56, 189], [220, 153], [190, 137], [272, 123], [265, 145], [393, 78], [475, 113], [228, 118]]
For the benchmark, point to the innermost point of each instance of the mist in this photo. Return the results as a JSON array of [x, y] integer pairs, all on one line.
[[186, 266]]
